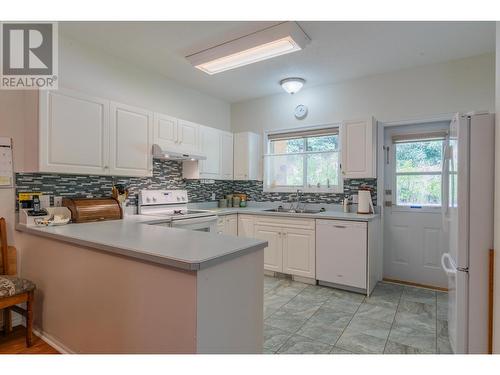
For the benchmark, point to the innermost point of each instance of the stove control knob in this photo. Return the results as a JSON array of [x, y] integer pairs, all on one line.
[[148, 199], [178, 199], [154, 199], [183, 198]]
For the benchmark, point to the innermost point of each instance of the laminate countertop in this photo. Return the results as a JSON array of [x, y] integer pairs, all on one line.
[[132, 237], [261, 211]]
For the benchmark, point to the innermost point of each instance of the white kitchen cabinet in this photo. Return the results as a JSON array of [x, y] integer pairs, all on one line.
[[210, 142], [228, 225], [231, 225], [342, 252], [359, 147], [226, 159], [131, 137], [187, 136], [273, 253], [247, 156], [299, 252], [173, 134], [292, 245], [73, 133], [246, 226]]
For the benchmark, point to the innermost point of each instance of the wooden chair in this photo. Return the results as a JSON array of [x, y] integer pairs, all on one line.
[[13, 291]]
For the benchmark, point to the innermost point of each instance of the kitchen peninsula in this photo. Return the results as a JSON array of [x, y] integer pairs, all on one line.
[[123, 286]]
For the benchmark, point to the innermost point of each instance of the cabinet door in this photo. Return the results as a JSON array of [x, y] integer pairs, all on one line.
[[130, 141], [210, 147], [165, 132], [231, 225], [341, 252], [246, 226], [188, 136], [241, 156], [273, 253], [227, 156], [74, 133], [358, 149], [299, 252]]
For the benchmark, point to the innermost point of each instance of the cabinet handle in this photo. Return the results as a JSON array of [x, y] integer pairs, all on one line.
[[340, 226]]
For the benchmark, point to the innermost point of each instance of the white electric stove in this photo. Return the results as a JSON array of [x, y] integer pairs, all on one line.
[[172, 204]]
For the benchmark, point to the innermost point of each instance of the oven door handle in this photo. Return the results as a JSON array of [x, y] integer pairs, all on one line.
[[195, 220]]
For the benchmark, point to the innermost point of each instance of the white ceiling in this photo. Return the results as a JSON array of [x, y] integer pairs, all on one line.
[[339, 50]]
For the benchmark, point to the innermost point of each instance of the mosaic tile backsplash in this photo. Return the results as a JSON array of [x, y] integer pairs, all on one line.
[[168, 175]]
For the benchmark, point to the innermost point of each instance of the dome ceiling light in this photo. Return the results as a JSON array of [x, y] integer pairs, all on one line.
[[292, 85]]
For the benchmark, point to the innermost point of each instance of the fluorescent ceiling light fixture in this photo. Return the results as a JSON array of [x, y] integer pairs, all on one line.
[[292, 85], [273, 41]]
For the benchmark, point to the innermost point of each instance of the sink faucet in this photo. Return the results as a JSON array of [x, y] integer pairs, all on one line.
[[299, 196]]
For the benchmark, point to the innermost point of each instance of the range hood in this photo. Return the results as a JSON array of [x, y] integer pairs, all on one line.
[[159, 153]]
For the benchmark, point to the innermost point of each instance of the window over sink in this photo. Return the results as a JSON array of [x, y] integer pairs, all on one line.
[[308, 160]]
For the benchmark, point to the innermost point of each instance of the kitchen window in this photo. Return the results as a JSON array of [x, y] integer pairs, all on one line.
[[418, 169], [307, 160]]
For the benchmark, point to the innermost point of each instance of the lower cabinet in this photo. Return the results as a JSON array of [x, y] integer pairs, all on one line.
[[291, 247], [246, 226], [228, 225]]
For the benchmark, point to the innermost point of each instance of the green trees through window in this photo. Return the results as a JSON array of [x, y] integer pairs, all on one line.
[[418, 172]]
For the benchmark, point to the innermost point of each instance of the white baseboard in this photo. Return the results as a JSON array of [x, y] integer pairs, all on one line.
[[52, 341]]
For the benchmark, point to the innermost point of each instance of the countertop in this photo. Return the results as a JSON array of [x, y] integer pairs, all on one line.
[[329, 214], [179, 248]]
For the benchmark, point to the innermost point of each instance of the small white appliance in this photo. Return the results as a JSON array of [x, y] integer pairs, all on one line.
[[365, 204], [171, 205], [468, 190]]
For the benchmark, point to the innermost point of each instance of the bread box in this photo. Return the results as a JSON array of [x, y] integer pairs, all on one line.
[[84, 210]]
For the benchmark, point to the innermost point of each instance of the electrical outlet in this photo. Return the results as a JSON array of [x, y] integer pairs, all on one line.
[[57, 201], [213, 196]]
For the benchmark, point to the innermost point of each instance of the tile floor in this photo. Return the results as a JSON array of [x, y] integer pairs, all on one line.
[[395, 319]]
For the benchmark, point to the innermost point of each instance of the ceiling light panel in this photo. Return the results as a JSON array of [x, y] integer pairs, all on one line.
[[274, 41]]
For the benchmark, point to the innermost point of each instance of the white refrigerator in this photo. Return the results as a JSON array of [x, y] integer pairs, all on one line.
[[468, 190]]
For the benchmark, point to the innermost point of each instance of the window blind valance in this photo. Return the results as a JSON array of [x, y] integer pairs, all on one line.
[[303, 134]]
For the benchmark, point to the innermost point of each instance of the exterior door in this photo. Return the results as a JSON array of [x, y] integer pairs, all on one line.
[[414, 239], [273, 253]]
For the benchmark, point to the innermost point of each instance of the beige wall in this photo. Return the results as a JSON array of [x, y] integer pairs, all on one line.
[[88, 301], [459, 85]]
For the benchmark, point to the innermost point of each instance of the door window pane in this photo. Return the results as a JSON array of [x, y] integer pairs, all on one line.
[[418, 190], [421, 156]]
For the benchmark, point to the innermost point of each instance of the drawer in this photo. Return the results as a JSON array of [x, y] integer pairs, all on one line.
[[299, 223], [340, 224]]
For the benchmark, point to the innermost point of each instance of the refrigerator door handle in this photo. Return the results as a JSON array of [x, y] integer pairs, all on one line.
[[447, 264]]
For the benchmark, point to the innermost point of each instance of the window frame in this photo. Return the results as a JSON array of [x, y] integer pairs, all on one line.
[[336, 189], [409, 208]]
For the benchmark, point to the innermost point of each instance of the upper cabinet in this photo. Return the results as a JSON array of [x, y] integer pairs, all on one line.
[[247, 156], [173, 134], [83, 134], [74, 133], [359, 149], [210, 146], [226, 161], [131, 137]]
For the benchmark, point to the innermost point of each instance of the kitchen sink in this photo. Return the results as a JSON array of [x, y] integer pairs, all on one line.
[[281, 209]]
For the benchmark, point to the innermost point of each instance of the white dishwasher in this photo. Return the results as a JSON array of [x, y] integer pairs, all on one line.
[[341, 252]]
